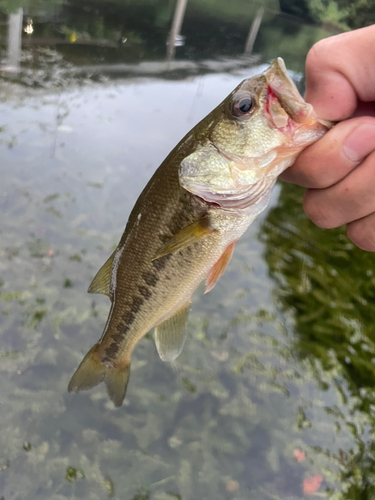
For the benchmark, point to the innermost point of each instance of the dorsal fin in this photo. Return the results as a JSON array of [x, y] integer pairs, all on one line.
[[187, 236], [170, 335], [102, 280], [219, 267]]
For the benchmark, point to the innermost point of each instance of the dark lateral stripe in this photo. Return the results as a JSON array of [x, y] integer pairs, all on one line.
[[160, 264], [124, 326], [121, 332], [137, 302], [150, 278], [128, 318], [145, 292], [122, 329], [111, 351]]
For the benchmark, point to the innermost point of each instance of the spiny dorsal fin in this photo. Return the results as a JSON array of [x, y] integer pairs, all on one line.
[[170, 335], [218, 269], [102, 280], [187, 236]]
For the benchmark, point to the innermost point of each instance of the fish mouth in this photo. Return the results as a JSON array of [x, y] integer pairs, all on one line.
[[282, 87]]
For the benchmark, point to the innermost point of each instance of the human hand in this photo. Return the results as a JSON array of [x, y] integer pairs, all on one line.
[[339, 170]]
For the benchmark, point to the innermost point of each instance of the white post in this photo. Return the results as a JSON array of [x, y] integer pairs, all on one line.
[[176, 27], [255, 25], [14, 42]]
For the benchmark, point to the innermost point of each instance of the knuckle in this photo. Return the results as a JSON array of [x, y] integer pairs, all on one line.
[[318, 212], [317, 55], [362, 236]]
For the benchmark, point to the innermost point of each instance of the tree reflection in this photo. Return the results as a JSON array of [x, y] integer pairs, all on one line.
[[328, 286]]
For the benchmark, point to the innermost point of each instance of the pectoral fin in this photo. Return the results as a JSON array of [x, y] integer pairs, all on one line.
[[101, 282], [187, 236], [170, 335], [219, 268]]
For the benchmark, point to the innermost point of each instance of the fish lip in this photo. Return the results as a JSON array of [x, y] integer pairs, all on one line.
[[288, 95], [277, 75], [277, 66], [283, 87]]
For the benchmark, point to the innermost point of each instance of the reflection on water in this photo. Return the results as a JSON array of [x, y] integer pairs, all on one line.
[[272, 395], [326, 284]]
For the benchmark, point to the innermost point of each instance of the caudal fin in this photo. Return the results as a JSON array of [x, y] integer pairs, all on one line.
[[92, 371]]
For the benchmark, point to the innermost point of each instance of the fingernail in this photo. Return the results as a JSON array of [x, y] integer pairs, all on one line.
[[360, 142]]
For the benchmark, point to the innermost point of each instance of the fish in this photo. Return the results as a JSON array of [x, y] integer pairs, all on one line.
[[185, 224]]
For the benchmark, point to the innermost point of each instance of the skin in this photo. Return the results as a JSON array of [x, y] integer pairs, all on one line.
[[339, 170]]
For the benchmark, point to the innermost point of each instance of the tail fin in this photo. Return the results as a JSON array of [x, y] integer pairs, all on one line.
[[92, 371]]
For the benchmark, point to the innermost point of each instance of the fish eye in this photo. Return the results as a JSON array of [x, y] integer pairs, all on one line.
[[245, 105], [242, 105]]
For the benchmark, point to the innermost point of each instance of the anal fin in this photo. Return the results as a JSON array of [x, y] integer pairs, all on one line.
[[170, 335], [187, 236], [102, 280], [218, 269]]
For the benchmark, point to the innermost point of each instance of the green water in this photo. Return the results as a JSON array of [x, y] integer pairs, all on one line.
[[279, 356]]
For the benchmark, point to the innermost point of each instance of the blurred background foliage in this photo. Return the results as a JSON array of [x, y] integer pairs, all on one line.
[[343, 14], [209, 25]]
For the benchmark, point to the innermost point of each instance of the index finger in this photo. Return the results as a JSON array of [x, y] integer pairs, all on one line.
[[340, 72]]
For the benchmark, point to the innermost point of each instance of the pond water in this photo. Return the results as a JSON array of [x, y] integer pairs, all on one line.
[[273, 394]]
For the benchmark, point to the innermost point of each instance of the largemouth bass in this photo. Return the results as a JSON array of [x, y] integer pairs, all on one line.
[[185, 224]]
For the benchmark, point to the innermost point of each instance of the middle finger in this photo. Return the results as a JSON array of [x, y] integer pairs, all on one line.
[[350, 199]]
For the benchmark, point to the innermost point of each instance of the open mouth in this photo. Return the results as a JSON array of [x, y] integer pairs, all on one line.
[[276, 113], [282, 87]]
